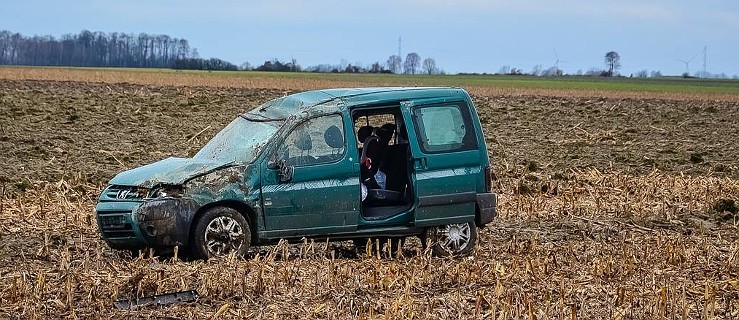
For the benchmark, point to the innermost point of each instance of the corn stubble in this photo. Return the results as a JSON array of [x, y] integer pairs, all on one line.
[[601, 246], [632, 239]]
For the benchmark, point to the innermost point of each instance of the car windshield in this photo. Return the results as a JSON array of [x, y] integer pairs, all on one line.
[[240, 141]]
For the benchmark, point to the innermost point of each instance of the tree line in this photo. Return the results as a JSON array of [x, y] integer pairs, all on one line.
[[394, 64], [94, 49], [128, 50]]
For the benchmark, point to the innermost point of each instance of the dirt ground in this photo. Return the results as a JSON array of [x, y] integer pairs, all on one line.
[[50, 130], [617, 208]]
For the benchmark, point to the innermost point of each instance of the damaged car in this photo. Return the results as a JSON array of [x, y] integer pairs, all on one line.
[[338, 164]]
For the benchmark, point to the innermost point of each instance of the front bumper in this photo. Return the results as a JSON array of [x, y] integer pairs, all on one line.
[[486, 208], [117, 225], [154, 223]]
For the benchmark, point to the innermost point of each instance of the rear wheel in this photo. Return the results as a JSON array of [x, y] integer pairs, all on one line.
[[452, 240], [219, 232]]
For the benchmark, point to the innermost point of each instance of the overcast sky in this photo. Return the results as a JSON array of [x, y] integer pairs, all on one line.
[[462, 35]]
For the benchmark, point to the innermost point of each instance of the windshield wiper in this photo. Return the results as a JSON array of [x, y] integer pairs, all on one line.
[[263, 119]]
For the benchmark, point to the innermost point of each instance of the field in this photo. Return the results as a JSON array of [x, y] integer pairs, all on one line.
[[617, 201]]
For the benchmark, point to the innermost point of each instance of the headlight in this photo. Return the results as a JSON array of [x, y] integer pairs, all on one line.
[[166, 192]]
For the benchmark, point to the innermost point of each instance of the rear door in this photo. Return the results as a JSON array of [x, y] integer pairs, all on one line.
[[323, 196], [446, 160]]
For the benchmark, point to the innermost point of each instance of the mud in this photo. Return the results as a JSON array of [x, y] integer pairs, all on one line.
[[51, 130], [595, 220]]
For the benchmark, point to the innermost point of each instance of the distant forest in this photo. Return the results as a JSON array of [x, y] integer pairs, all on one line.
[[99, 49], [128, 50]]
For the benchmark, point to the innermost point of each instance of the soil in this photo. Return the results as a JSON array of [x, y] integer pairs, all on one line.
[[616, 208], [51, 130]]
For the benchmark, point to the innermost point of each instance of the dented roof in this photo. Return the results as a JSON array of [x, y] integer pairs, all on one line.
[[345, 98]]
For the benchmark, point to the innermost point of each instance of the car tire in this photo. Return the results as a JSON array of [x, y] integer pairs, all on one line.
[[219, 232], [452, 240]]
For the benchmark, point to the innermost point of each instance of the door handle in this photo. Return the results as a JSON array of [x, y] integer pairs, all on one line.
[[420, 163]]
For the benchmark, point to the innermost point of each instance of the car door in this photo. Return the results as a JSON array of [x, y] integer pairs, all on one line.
[[323, 195], [445, 160]]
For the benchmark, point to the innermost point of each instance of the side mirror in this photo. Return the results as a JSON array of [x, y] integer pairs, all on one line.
[[278, 156], [285, 172], [277, 162], [273, 163]]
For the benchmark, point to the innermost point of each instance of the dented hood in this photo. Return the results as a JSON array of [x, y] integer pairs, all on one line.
[[171, 171]]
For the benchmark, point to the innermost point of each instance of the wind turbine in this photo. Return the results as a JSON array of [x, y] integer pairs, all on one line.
[[557, 61], [687, 64]]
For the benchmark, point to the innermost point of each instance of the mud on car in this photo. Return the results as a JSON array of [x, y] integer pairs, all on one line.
[[334, 164]]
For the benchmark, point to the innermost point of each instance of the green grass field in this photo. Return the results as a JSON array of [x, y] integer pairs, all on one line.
[[664, 84], [576, 83]]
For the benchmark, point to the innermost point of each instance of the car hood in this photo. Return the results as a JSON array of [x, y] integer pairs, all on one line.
[[170, 171]]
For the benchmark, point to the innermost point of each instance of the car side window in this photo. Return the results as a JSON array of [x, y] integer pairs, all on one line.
[[317, 140], [444, 128]]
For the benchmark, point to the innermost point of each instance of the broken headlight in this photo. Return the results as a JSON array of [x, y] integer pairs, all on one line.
[[166, 192]]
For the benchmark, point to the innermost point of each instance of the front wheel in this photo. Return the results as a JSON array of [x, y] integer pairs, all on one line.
[[451, 240], [219, 232]]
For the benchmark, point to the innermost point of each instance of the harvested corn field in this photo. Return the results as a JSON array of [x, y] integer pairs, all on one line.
[[610, 207]]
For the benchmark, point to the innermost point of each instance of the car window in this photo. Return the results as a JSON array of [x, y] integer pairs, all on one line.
[[240, 141], [375, 121], [444, 128], [317, 140]]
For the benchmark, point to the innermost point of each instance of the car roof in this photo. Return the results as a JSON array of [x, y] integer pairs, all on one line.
[[316, 101]]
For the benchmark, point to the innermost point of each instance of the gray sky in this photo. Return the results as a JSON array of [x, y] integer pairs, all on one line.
[[462, 35]]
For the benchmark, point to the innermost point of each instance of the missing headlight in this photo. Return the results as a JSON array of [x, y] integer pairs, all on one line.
[[167, 192]]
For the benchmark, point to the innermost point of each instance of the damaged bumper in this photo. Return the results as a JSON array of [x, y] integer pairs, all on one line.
[[486, 208], [165, 222], [162, 222]]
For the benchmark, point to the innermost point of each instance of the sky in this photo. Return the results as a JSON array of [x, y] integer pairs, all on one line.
[[461, 35]]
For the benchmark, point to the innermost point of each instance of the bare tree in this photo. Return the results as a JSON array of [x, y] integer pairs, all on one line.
[[376, 68], [394, 64], [552, 72], [613, 63], [94, 49], [429, 66], [412, 62], [536, 70]]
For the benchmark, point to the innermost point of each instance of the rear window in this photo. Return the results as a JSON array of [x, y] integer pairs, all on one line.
[[444, 128]]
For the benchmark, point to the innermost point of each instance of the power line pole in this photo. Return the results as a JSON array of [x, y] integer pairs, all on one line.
[[705, 59], [399, 46], [400, 58]]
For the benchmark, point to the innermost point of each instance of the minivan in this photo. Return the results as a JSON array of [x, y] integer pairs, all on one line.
[[336, 164]]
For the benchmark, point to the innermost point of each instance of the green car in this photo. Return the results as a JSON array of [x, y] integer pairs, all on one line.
[[335, 164]]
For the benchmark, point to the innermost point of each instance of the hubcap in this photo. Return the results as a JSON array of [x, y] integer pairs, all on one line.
[[454, 237], [223, 235]]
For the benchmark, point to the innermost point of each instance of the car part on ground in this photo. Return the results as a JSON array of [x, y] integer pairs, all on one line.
[[158, 300]]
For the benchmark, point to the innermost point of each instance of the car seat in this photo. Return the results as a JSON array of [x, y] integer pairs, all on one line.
[[369, 166], [304, 143], [335, 140]]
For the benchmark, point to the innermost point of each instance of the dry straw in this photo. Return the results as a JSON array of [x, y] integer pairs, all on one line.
[[568, 244], [605, 245]]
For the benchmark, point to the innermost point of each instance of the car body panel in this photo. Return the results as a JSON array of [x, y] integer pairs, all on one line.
[[171, 171]]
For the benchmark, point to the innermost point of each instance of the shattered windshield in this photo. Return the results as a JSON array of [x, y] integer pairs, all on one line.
[[240, 141]]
